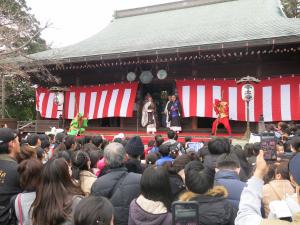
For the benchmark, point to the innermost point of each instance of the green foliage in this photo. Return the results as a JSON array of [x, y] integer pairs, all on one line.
[[290, 8], [20, 99]]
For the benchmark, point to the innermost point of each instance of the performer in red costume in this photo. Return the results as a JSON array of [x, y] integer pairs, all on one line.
[[222, 110]]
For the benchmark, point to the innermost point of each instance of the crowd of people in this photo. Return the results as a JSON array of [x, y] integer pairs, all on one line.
[[63, 180]]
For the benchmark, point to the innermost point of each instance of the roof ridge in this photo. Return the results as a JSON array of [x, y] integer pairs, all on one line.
[[165, 7]]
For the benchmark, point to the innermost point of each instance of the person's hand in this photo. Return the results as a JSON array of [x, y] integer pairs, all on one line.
[[261, 166]]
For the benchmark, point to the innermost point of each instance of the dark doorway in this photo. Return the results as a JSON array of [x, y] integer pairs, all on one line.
[[159, 92]]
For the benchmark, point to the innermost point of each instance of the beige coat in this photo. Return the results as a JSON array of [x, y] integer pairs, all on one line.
[[86, 181], [276, 190]]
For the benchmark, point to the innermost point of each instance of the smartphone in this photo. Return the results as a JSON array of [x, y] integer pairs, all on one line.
[[185, 213], [268, 145], [195, 145]]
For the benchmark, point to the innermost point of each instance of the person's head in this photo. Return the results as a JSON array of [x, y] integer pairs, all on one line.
[[94, 210], [295, 144], [34, 140], [180, 162], [9, 142], [30, 174], [283, 126], [151, 158], [294, 169], [292, 128], [187, 139], [59, 137], [54, 194], [87, 139], [82, 160], [70, 142], [173, 98], [228, 162], [151, 143], [171, 134], [164, 150], [159, 141], [45, 144], [134, 147], [94, 157], [114, 155], [40, 154], [169, 97], [51, 138], [26, 152], [155, 185], [282, 171], [97, 141], [198, 179], [218, 146]]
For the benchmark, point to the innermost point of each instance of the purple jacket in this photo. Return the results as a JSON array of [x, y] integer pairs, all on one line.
[[138, 216]]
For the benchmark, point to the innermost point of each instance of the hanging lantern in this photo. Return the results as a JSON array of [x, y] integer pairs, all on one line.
[[131, 76], [146, 77], [162, 74]]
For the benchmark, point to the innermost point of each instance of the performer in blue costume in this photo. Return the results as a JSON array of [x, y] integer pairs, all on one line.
[[174, 110]]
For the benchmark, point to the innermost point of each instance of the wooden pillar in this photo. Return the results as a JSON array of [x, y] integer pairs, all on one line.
[[77, 81], [194, 123], [121, 122]]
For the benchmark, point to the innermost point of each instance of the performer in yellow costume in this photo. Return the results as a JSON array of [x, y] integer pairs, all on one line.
[[78, 125]]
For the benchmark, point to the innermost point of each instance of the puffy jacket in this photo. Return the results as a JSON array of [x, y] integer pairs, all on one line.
[[147, 212], [120, 187], [214, 209], [231, 181]]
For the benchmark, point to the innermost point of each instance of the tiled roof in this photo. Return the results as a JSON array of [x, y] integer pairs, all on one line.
[[158, 29]]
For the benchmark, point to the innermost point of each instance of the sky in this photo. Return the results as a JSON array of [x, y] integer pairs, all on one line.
[[74, 20]]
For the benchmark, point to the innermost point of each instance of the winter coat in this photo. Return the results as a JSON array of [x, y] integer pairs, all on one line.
[[231, 181], [9, 185], [120, 187], [86, 181], [214, 209], [134, 166], [276, 190], [210, 161], [147, 212]]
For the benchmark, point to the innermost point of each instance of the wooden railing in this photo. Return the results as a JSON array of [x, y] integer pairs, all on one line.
[[37, 126]]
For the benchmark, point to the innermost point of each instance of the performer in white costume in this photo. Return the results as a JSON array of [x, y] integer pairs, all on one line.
[[148, 115]]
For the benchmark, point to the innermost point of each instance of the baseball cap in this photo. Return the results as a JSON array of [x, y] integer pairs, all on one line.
[[294, 167], [7, 135]]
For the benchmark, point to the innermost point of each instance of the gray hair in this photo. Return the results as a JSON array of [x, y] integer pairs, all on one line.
[[114, 155]]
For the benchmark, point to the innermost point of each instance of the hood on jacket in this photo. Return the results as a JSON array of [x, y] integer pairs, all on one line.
[[147, 212]]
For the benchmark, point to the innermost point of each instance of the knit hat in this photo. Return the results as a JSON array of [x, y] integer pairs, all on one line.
[[135, 146], [294, 167]]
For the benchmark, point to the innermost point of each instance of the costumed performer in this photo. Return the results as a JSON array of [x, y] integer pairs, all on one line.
[[148, 115], [174, 111], [166, 112], [221, 108], [78, 125]]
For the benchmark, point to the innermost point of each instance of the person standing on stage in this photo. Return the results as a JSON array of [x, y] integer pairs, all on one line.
[[174, 111], [166, 112], [222, 110], [148, 115]]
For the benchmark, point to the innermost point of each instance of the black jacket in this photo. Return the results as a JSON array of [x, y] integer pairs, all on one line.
[[135, 166], [9, 185], [214, 209], [120, 187]]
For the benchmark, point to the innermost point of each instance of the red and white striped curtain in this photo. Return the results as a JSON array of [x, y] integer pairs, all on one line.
[[116, 100], [278, 99]]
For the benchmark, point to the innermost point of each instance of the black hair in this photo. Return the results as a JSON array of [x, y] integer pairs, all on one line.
[[164, 150], [151, 158], [97, 140], [157, 136], [40, 153], [151, 143], [64, 155], [187, 138], [94, 157], [228, 161], [32, 139], [159, 141], [171, 134], [93, 210], [198, 179], [87, 139], [51, 137], [283, 170], [69, 141], [81, 160], [295, 143], [45, 143], [219, 146], [155, 185], [59, 138]]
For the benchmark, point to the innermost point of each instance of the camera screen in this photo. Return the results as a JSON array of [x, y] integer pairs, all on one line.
[[195, 145], [268, 145], [186, 215]]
